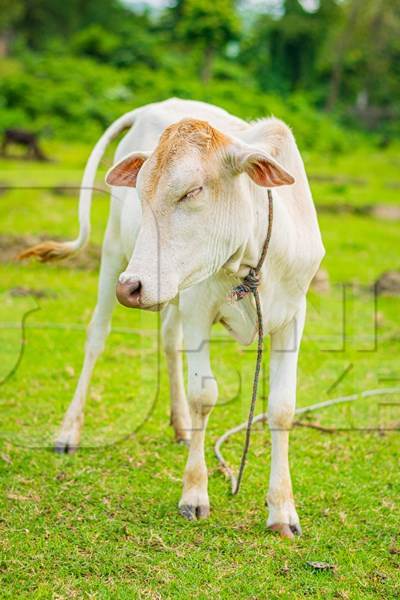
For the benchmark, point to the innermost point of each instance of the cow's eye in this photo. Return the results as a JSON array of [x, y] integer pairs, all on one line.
[[191, 194]]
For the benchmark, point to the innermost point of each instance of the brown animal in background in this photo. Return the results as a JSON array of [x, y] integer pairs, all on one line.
[[23, 138]]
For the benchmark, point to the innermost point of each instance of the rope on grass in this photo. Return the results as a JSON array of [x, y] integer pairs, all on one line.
[[299, 411]]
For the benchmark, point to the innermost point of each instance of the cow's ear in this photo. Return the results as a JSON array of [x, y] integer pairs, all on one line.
[[125, 171], [259, 166]]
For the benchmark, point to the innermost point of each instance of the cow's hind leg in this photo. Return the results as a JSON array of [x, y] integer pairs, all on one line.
[[173, 347], [282, 400], [111, 262]]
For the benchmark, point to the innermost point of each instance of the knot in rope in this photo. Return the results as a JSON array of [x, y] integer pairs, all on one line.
[[249, 285]]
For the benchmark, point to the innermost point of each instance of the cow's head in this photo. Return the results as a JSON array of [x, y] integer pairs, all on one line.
[[195, 208]]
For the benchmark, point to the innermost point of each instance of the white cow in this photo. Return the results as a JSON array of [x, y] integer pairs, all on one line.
[[188, 220]]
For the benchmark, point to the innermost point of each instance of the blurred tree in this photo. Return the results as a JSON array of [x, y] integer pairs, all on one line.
[[381, 51], [43, 20], [208, 26], [283, 52], [365, 58], [341, 54], [340, 49], [95, 41], [9, 14]]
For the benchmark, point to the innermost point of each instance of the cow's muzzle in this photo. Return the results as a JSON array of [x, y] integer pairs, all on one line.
[[128, 293]]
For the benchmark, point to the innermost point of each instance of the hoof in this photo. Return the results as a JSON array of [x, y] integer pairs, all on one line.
[[67, 440], [285, 530], [192, 513], [64, 448], [296, 529], [202, 512]]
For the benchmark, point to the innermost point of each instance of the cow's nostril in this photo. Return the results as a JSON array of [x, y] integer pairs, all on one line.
[[134, 287], [128, 293]]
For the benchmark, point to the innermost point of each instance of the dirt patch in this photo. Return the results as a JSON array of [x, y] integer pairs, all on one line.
[[388, 283], [343, 208], [11, 245], [338, 179], [65, 189], [386, 212], [3, 188], [22, 292]]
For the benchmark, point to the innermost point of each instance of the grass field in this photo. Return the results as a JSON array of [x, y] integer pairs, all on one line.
[[103, 523]]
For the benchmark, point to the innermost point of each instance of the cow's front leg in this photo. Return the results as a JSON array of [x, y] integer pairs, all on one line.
[[282, 401], [69, 434], [202, 396], [173, 347]]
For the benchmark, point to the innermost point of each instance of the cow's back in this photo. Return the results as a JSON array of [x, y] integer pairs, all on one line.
[[154, 118]]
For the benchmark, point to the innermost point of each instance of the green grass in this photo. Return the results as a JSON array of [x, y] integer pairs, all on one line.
[[103, 523], [363, 177]]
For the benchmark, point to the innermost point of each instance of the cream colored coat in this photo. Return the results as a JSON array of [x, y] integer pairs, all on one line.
[[188, 219]]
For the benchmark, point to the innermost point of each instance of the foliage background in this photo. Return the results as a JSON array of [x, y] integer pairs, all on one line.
[[69, 68]]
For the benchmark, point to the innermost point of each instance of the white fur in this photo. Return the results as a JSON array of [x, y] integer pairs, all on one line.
[[193, 254]]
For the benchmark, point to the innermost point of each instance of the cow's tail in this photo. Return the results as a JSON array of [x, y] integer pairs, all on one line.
[[53, 251]]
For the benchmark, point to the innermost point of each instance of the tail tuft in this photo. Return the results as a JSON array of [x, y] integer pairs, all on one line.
[[53, 251], [48, 251]]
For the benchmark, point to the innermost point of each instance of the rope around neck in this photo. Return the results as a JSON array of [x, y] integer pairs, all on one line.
[[250, 285]]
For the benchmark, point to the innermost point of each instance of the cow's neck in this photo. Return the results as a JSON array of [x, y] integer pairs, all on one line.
[[280, 246]]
